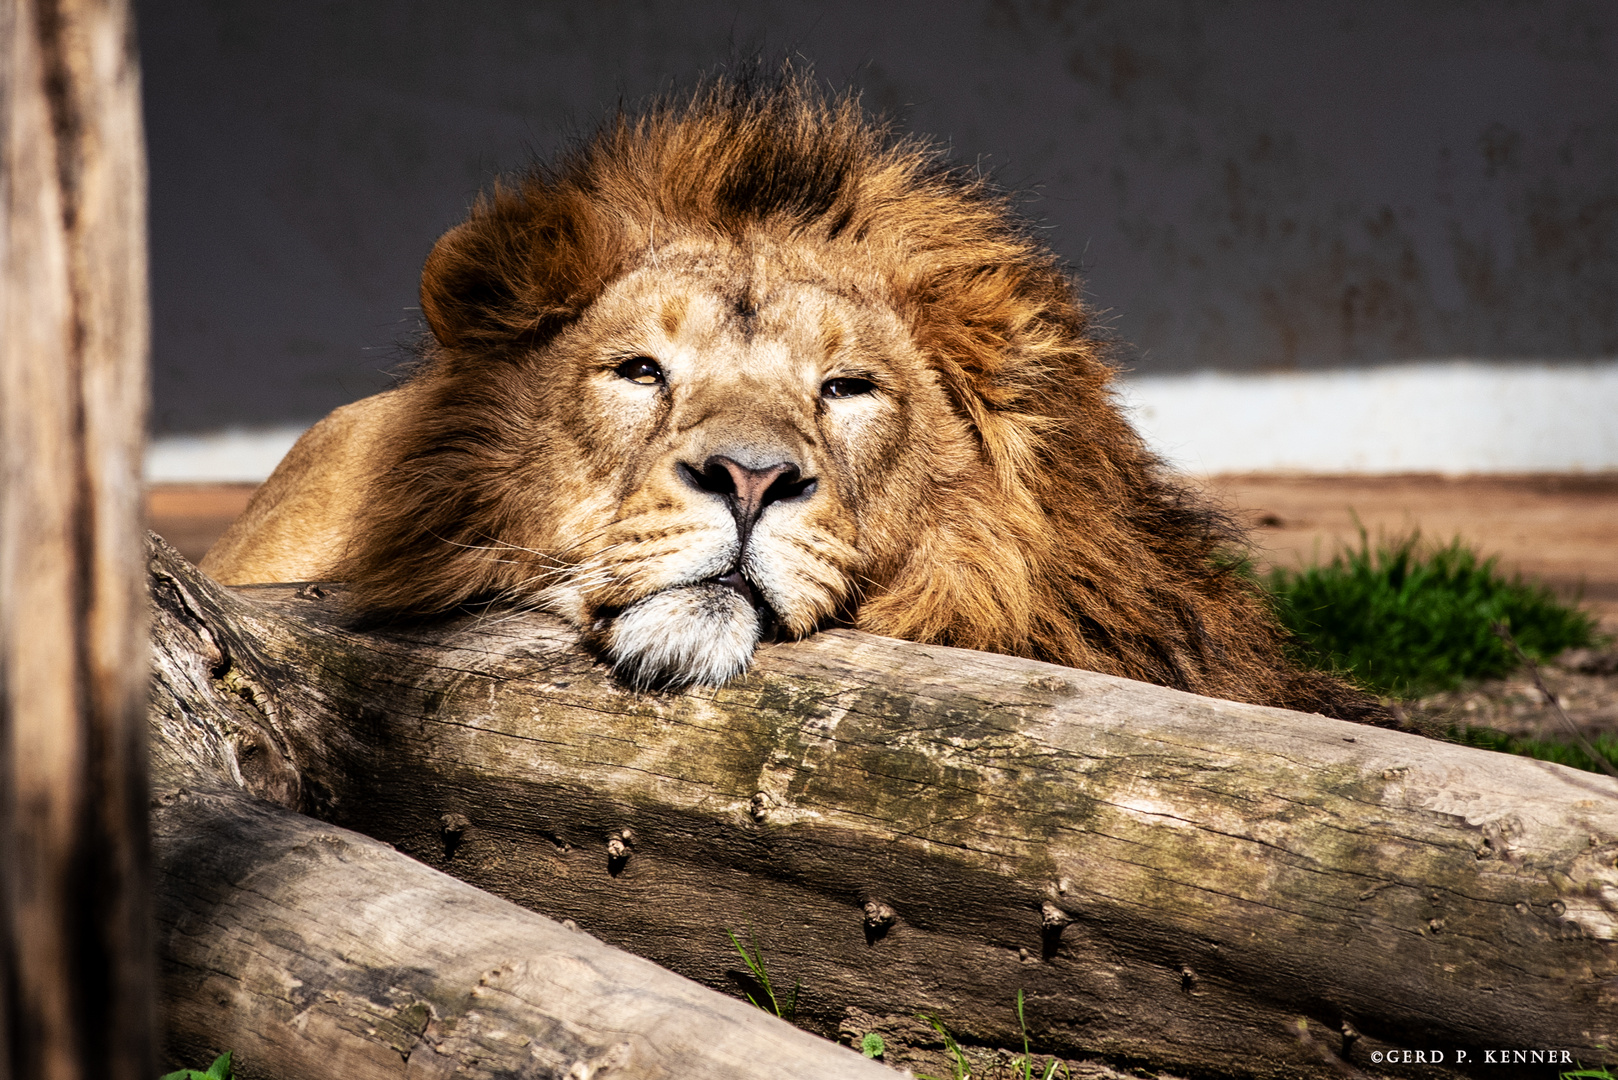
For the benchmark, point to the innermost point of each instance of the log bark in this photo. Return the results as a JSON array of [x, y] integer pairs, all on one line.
[[75, 947], [1169, 879]]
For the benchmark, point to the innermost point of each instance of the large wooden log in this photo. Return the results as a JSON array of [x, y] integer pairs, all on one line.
[[1168, 879], [75, 952], [312, 952]]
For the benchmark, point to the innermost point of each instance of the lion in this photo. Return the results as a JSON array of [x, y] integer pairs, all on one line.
[[748, 364]]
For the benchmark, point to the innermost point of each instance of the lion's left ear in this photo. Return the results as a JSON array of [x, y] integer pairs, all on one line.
[[523, 264]]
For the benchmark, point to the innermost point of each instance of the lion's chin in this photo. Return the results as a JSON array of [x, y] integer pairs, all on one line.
[[693, 634]]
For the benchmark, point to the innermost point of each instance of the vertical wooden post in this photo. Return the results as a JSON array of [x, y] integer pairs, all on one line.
[[75, 968]]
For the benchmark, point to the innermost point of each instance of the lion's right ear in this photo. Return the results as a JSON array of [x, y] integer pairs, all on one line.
[[519, 268], [466, 296]]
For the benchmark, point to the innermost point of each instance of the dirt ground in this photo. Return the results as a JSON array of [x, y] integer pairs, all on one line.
[[1560, 530]]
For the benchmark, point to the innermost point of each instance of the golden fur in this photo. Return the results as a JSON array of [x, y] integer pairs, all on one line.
[[876, 398]]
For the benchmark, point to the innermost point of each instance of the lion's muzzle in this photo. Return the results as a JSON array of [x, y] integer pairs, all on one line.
[[747, 489], [702, 633], [705, 631]]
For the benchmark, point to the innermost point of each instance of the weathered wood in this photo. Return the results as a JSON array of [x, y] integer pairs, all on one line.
[[1168, 878], [312, 952], [75, 961]]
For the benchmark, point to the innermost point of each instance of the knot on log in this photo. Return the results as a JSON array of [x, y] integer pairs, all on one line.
[[879, 919], [878, 914], [453, 828], [616, 1057], [1052, 920], [618, 845]]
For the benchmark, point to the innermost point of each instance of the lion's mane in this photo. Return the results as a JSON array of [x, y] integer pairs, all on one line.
[[1079, 549]]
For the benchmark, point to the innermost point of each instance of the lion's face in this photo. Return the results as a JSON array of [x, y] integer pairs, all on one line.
[[736, 442]]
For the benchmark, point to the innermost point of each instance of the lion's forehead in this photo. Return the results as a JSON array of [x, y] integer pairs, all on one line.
[[780, 312]]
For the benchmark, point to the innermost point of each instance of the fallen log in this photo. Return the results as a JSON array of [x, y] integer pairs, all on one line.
[[1167, 878], [312, 952]]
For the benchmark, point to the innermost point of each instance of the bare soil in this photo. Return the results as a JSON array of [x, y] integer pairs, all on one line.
[[193, 516], [1556, 529], [1583, 684], [1559, 530]]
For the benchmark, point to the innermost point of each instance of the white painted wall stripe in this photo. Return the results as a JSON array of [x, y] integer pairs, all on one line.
[[1454, 417], [236, 455]]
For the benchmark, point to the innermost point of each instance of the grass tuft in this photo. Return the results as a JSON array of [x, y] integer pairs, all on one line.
[[1027, 1059], [1563, 753], [960, 1067], [1406, 619]]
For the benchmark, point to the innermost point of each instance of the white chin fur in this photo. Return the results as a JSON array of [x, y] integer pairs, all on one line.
[[694, 634]]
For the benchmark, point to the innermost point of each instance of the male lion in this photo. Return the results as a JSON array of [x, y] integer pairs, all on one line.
[[749, 364]]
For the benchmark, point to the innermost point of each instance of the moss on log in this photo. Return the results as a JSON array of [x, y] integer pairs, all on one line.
[[1168, 879]]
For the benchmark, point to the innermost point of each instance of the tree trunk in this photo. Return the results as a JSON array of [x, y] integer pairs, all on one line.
[[902, 828], [75, 947]]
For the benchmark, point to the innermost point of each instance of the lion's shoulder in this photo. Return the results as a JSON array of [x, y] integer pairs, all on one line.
[[298, 525]]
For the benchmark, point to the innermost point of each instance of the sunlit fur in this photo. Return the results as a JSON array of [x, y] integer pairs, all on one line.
[[757, 239]]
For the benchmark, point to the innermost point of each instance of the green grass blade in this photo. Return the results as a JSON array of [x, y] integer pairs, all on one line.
[[755, 966], [1027, 1061], [961, 1068]]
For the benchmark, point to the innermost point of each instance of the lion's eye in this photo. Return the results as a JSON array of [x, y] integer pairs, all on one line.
[[846, 387], [640, 369]]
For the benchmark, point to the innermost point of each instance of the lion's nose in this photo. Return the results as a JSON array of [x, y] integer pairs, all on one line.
[[745, 489]]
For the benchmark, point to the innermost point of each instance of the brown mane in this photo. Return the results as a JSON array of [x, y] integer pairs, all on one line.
[[1073, 547]]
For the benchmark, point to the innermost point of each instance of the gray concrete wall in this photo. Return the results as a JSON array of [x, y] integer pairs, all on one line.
[[1253, 185]]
